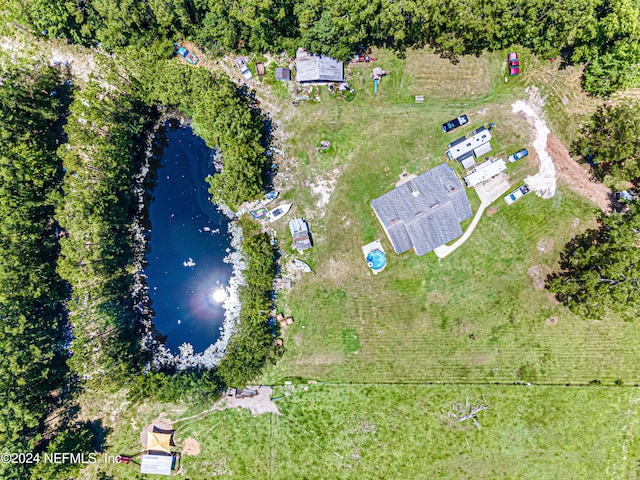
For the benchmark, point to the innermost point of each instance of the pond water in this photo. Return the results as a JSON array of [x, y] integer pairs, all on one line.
[[189, 239]]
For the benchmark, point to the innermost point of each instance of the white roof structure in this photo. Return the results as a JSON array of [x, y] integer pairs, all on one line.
[[468, 162], [300, 233], [482, 149], [156, 464], [463, 145], [485, 171], [312, 68]]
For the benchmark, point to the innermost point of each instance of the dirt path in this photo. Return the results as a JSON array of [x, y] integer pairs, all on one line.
[[576, 176], [554, 158], [542, 183]]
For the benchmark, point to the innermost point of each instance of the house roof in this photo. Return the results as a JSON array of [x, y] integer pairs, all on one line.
[[317, 68], [300, 233], [425, 212]]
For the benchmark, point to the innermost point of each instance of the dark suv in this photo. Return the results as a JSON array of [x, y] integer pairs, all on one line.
[[455, 123]]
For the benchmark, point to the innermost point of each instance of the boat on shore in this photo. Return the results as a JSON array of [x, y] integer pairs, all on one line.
[[270, 197], [300, 265], [279, 212]]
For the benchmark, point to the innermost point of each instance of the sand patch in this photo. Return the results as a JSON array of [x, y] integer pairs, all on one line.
[[323, 188], [545, 245], [491, 211], [539, 275], [544, 182], [191, 447]]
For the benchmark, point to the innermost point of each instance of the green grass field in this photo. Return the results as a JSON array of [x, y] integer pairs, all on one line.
[[392, 431], [474, 316]]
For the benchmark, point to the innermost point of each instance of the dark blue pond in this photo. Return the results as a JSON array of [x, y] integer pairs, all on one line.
[[185, 271]]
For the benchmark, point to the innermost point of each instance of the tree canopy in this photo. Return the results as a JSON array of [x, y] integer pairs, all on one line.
[[601, 33], [100, 159], [600, 269], [610, 142], [31, 293]]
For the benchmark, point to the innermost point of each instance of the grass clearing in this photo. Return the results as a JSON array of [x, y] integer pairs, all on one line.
[[430, 75], [472, 317], [404, 431]]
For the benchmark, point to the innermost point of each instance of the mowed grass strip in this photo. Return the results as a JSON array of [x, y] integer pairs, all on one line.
[[474, 316], [430, 75]]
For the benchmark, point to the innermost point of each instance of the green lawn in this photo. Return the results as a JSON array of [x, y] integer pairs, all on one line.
[[474, 316], [405, 431]]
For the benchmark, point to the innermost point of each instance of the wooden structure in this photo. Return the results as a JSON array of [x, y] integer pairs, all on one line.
[[312, 68], [283, 74], [260, 69]]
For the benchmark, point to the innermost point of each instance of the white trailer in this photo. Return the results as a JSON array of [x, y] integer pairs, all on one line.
[[485, 171]]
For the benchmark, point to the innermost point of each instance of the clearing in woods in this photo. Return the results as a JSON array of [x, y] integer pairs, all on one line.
[[474, 316], [403, 431]]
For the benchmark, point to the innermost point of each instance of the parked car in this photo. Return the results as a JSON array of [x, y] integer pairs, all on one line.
[[455, 123], [518, 155], [246, 73], [514, 63], [518, 193]]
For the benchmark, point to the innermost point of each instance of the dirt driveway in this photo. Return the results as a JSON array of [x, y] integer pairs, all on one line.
[[576, 176]]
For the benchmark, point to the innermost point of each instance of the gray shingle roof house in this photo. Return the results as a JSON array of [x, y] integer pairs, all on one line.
[[317, 68], [301, 235], [425, 212]]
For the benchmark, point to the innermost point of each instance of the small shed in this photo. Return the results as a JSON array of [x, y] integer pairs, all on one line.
[[312, 68], [300, 233], [157, 464], [260, 69], [283, 74], [280, 283]]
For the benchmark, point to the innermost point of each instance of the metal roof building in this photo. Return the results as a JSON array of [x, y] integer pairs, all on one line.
[[283, 74], [424, 213], [312, 68], [157, 464], [300, 233]]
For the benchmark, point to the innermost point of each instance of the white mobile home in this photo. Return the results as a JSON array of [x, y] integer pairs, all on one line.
[[463, 146], [485, 171]]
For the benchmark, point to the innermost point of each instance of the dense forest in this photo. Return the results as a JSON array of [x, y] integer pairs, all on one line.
[[603, 34], [103, 133], [32, 366]]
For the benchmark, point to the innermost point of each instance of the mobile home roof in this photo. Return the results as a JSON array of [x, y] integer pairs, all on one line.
[[459, 149]]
